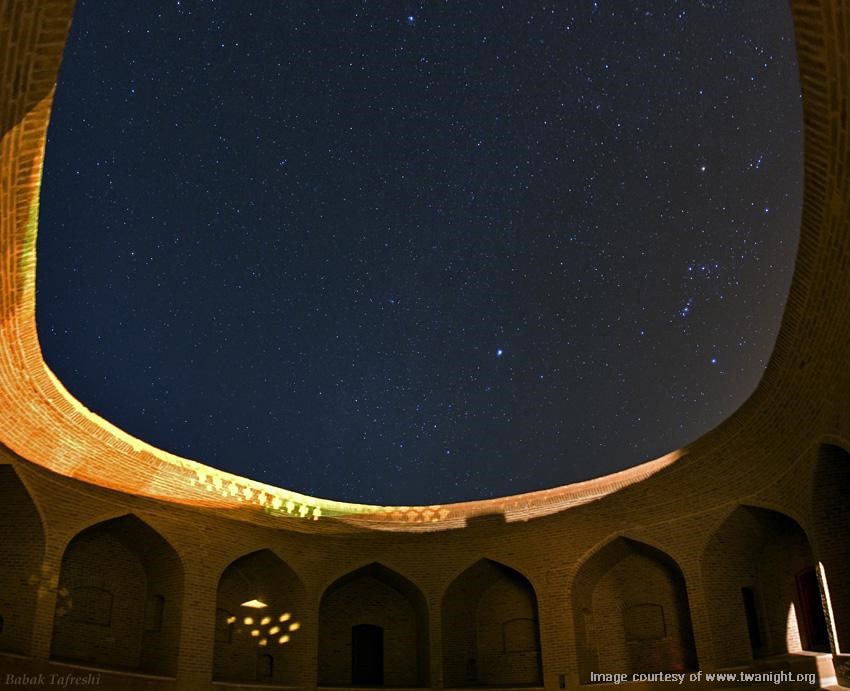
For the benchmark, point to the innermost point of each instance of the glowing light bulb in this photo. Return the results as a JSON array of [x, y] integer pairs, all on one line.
[[254, 604], [286, 616], [248, 621], [294, 626]]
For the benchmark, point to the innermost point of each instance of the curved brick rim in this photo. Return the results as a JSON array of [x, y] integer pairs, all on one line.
[[801, 398]]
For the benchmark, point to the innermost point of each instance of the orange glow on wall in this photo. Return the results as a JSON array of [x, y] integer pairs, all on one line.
[[44, 424]]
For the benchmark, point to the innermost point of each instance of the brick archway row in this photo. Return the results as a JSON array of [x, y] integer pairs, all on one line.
[[120, 575]]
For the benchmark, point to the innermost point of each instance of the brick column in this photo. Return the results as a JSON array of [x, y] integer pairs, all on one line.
[[435, 641], [557, 632], [309, 676], [197, 629], [45, 606], [700, 618]]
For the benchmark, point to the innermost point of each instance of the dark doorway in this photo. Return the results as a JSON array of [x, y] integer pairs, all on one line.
[[265, 667], [367, 655], [753, 626], [811, 619]]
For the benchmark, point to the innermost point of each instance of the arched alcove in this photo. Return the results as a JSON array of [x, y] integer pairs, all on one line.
[[761, 598], [119, 599], [830, 528], [491, 629], [259, 615], [373, 630], [631, 611], [21, 554]]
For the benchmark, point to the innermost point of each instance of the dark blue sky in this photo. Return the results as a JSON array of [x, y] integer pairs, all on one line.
[[419, 252]]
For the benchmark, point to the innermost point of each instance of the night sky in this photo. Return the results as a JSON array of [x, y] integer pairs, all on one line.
[[409, 253]]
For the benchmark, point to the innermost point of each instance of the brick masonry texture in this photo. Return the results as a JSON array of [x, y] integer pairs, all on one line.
[[120, 557]]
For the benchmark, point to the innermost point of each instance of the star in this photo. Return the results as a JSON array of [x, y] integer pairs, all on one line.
[[364, 284]]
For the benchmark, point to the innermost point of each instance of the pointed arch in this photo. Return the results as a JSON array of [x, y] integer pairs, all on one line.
[[491, 630], [630, 607], [373, 629], [22, 555], [119, 598], [755, 571], [262, 640]]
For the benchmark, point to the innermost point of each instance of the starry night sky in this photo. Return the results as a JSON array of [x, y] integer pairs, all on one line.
[[408, 252]]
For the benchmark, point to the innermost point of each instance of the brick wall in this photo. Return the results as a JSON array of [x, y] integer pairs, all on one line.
[[100, 604], [118, 602], [784, 452], [21, 553], [634, 611], [239, 655], [374, 596], [762, 550], [490, 628], [612, 603], [508, 633], [831, 507]]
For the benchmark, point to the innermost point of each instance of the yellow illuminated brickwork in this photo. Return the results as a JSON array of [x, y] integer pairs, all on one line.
[[548, 577], [42, 422]]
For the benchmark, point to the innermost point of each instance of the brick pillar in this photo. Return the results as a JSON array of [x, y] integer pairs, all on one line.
[[309, 676], [197, 629], [435, 641], [557, 632], [700, 617], [45, 606]]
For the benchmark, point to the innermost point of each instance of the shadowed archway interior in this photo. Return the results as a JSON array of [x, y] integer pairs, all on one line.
[[759, 558], [761, 492], [491, 628], [631, 606], [119, 598], [370, 607], [260, 609], [21, 552]]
